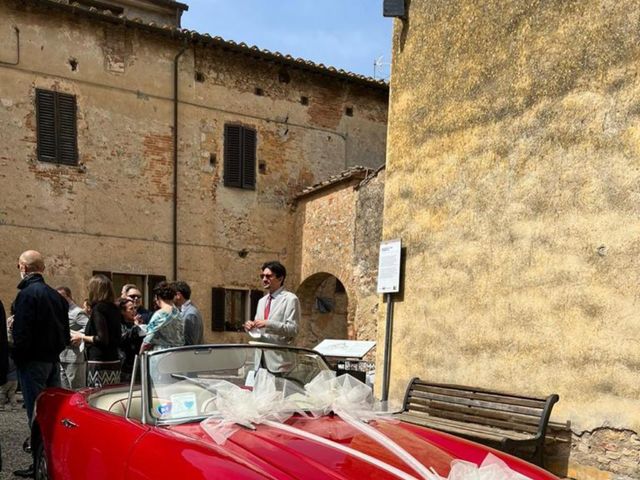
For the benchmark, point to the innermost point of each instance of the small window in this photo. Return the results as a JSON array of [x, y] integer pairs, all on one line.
[[56, 127], [239, 157], [304, 100], [283, 76], [230, 308], [349, 111]]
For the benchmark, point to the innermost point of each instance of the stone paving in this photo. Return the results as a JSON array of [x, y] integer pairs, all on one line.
[[13, 431]]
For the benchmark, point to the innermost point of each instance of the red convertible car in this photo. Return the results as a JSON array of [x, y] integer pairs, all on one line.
[[245, 412]]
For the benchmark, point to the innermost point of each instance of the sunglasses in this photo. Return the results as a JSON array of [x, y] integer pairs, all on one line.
[[266, 275], [135, 297]]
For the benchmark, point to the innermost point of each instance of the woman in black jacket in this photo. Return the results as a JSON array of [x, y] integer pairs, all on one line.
[[102, 334]]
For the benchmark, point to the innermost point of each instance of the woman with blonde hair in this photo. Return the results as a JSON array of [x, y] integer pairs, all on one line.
[[102, 334]]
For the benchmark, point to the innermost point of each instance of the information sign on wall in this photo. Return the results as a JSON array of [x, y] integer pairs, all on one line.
[[389, 266]]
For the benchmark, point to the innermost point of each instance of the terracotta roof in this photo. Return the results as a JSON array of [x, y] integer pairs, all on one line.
[[352, 174], [371, 175], [208, 40]]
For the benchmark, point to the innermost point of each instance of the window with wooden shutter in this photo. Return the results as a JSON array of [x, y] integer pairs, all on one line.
[[56, 124], [217, 309], [231, 307], [240, 157]]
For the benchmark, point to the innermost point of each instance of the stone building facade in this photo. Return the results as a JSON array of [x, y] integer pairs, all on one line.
[[129, 176], [513, 173], [338, 231]]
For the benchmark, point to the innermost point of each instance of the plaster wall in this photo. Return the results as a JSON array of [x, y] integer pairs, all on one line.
[[113, 211], [513, 179]]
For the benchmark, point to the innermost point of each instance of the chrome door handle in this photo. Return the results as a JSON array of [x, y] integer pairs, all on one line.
[[68, 423]]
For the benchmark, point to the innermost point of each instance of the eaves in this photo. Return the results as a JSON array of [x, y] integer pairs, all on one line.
[[206, 40]]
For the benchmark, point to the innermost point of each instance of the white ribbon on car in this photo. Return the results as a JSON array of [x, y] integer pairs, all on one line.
[[492, 468], [272, 404]]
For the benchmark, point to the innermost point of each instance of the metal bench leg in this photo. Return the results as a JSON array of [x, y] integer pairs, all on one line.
[[537, 457]]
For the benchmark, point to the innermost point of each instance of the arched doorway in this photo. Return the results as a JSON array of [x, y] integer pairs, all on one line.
[[324, 310]]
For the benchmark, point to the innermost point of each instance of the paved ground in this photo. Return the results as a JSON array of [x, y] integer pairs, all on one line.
[[13, 431]]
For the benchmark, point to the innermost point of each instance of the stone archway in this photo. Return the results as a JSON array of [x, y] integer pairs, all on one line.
[[324, 310]]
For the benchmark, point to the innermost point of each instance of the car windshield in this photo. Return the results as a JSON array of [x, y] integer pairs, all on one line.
[[183, 383]]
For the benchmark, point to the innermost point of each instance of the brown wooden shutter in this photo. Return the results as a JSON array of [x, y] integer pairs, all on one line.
[[249, 158], [67, 135], [255, 296], [233, 156], [46, 124], [217, 309], [56, 124]]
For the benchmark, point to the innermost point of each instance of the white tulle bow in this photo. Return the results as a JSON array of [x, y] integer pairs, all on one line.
[[492, 468], [236, 407], [273, 400]]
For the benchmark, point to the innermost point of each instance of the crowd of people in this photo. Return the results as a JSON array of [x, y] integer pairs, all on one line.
[[50, 341]]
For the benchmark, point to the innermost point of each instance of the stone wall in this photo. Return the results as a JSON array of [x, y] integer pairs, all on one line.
[[338, 233], [512, 177], [113, 212], [368, 236]]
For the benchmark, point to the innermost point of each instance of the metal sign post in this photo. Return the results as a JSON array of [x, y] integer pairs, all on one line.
[[388, 283], [386, 362]]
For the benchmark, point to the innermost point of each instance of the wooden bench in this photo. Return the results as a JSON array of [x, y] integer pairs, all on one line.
[[512, 423]]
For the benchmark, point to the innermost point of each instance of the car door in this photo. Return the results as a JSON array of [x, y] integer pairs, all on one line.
[[94, 444]]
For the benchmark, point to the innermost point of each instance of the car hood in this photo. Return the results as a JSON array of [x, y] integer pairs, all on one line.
[[275, 452]]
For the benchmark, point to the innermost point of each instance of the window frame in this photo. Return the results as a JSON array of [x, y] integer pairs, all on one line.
[[149, 281], [240, 156], [219, 315], [56, 127]]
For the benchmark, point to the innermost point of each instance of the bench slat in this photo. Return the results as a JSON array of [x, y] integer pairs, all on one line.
[[433, 407], [537, 403], [467, 429], [478, 390], [493, 422], [422, 397]]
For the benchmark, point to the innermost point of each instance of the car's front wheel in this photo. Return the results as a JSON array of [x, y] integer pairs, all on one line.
[[41, 467]]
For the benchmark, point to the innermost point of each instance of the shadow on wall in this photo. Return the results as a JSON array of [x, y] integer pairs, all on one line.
[[324, 306]]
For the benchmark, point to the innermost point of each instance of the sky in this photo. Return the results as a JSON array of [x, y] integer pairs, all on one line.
[[346, 34]]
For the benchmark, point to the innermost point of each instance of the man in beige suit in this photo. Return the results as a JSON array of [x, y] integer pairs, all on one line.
[[278, 313]]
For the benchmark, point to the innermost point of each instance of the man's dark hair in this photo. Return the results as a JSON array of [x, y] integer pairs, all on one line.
[[277, 268], [183, 288]]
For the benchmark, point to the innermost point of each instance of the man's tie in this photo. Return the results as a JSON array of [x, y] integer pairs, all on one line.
[[267, 308]]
